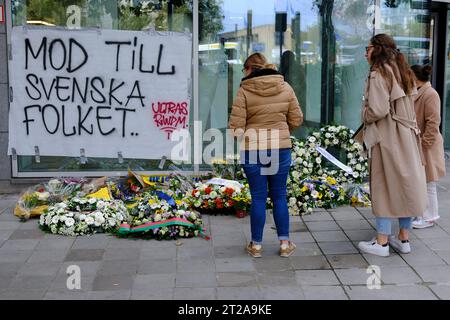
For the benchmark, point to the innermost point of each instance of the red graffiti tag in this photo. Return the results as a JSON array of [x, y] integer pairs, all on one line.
[[170, 116]]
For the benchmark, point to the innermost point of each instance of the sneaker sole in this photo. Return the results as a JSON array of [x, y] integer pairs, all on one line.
[[375, 254], [400, 251], [423, 227], [286, 255], [254, 255]]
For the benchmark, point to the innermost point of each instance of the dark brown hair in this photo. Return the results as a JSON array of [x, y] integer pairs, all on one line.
[[258, 61], [385, 53], [422, 73]]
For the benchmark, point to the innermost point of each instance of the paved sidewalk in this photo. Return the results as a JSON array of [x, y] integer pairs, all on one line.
[[326, 264]]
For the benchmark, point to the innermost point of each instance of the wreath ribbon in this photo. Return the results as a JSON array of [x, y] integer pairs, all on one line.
[[125, 228]]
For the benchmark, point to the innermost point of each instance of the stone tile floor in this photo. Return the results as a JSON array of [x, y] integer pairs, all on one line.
[[326, 264]]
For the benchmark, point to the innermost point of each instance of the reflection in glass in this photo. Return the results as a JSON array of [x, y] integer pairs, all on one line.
[[243, 27], [353, 31]]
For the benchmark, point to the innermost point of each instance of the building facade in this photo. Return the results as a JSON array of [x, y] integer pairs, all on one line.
[[319, 44]]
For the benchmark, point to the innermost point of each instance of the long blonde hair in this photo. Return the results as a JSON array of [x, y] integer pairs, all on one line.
[[258, 61]]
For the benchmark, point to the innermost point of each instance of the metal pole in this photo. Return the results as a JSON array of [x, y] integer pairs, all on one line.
[[170, 15], [195, 67]]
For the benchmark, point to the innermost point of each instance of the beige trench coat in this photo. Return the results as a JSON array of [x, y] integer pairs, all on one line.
[[397, 176], [428, 114]]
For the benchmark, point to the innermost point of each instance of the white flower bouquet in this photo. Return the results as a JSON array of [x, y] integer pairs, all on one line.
[[83, 216]]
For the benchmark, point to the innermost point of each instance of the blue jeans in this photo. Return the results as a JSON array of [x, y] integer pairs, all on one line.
[[260, 172], [384, 225]]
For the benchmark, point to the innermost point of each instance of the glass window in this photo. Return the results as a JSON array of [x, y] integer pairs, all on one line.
[[409, 22], [231, 30], [353, 28], [162, 15]]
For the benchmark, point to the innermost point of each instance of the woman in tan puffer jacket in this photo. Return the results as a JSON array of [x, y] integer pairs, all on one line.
[[264, 113]]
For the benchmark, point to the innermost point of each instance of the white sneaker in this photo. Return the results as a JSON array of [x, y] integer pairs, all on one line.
[[373, 247], [399, 245], [419, 223]]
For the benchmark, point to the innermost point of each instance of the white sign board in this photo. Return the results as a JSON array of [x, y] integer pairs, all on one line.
[[104, 91]]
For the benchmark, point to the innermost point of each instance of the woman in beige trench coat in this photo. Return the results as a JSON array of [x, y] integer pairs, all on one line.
[[428, 114], [391, 136]]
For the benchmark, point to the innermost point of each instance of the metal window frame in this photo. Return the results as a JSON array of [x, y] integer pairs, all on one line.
[[15, 173]]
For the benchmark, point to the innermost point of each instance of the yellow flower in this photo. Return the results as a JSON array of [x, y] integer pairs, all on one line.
[[331, 181], [151, 201], [320, 195], [218, 161], [354, 199], [304, 189]]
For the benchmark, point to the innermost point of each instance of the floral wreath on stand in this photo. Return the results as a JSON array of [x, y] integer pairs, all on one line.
[[328, 137], [312, 185]]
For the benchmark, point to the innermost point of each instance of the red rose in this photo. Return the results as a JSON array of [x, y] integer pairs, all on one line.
[[229, 191], [230, 203], [41, 189], [194, 192], [208, 190], [219, 203]]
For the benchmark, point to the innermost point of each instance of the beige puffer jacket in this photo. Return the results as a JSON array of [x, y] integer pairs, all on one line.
[[265, 111]]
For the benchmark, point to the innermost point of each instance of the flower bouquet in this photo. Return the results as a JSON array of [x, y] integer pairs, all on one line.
[[159, 216], [216, 199], [82, 216], [359, 195], [36, 200], [319, 193]]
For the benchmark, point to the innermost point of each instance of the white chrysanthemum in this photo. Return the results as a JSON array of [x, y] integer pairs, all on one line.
[[157, 217], [42, 220], [312, 139], [89, 220], [92, 200], [358, 167], [69, 222], [318, 160], [55, 219], [82, 217], [101, 204], [292, 201]]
